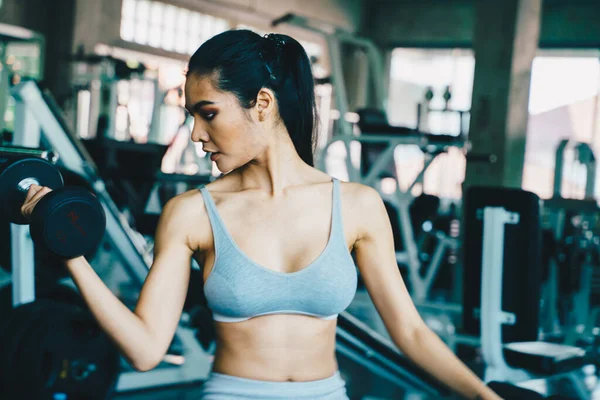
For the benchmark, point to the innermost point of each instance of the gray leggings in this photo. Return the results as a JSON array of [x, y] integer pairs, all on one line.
[[227, 387]]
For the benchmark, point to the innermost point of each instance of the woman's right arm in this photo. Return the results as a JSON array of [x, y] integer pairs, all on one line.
[[143, 336]]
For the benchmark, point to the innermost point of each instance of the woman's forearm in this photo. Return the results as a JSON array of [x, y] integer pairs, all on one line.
[[428, 351], [122, 325]]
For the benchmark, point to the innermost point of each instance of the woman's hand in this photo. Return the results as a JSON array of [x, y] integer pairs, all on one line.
[[34, 195]]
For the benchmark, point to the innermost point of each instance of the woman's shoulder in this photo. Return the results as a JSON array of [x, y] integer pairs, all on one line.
[[186, 208], [221, 189], [186, 214], [359, 193]]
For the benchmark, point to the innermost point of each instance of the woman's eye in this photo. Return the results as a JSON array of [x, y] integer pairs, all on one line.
[[209, 116]]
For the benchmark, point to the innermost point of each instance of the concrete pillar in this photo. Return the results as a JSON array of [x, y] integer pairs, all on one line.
[[506, 39], [59, 40]]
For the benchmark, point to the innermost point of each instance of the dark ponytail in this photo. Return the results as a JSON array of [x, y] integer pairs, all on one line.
[[245, 62]]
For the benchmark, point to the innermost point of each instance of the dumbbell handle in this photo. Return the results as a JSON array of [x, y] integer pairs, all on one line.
[[26, 183], [17, 173]]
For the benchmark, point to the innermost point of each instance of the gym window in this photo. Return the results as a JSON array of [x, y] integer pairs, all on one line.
[[167, 27], [564, 103]]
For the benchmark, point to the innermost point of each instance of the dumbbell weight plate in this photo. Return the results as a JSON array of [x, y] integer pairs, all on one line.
[[69, 222], [18, 172]]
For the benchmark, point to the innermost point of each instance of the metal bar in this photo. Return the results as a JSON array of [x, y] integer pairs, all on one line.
[[382, 161], [339, 86], [4, 87], [24, 152], [372, 350], [27, 135], [410, 247], [434, 265], [491, 315], [559, 167], [353, 173], [22, 260], [421, 175]]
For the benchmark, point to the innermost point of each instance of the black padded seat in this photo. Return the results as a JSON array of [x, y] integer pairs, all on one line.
[[544, 358]]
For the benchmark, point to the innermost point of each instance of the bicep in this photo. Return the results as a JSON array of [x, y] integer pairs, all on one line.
[[164, 291], [376, 260]]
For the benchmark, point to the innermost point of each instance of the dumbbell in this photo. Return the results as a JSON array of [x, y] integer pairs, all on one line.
[[69, 221]]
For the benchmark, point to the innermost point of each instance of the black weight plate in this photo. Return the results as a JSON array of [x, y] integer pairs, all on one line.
[[63, 294], [94, 361], [56, 292], [20, 321], [70, 354], [69, 222], [12, 198], [33, 366], [5, 301], [17, 322], [32, 342], [31, 349]]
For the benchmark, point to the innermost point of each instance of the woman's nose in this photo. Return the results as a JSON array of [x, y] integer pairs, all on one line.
[[199, 135]]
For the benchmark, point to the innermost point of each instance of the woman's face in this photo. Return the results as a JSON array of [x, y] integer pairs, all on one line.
[[231, 133]]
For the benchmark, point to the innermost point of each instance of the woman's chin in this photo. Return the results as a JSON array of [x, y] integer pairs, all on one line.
[[224, 169]]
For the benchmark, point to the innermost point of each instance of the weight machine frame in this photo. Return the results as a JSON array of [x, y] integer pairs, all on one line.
[[335, 38], [492, 316], [401, 200]]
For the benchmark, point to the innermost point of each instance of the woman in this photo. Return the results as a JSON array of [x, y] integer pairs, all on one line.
[[274, 235]]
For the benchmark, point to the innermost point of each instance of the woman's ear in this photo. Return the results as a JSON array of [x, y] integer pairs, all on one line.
[[265, 103]]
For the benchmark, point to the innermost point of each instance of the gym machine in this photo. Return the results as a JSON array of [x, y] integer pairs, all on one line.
[[502, 281], [571, 219], [103, 90], [582, 156]]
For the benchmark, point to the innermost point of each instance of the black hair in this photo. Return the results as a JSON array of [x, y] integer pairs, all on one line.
[[242, 62]]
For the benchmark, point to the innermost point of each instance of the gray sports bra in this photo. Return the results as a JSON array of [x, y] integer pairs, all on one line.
[[238, 289]]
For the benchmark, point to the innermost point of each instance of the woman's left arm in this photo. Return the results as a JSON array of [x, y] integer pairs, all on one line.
[[376, 260]]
